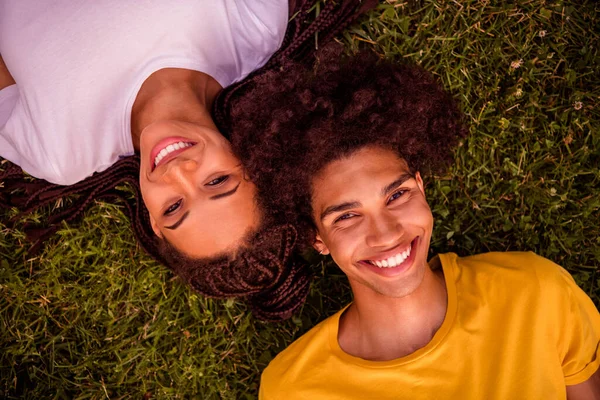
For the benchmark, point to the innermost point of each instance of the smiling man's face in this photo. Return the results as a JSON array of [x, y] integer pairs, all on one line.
[[372, 217], [195, 190]]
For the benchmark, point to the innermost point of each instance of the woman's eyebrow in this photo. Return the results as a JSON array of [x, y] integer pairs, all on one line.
[[176, 224], [221, 195], [215, 197]]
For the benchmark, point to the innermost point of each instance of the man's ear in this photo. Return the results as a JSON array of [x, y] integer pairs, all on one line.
[[320, 246], [155, 227], [420, 184]]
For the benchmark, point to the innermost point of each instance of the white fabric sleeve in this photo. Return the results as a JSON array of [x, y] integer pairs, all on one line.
[[16, 144], [8, 99], [259, 31]]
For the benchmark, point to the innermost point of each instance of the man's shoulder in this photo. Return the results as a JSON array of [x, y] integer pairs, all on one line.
[[311, 348], [526, 270], [505, 258], [493, 262]]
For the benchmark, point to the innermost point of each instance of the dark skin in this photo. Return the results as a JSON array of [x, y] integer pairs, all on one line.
[[588, 390], [160, 98], [178, 96], [6, 78], [198, 199], [357, 220]]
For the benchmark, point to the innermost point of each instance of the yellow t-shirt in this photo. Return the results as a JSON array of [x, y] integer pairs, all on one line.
[[517, 327]]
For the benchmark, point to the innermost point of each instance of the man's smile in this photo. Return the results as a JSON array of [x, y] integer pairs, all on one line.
[[406, 258], [387, 260]]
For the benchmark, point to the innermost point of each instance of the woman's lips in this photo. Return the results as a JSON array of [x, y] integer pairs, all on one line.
[[162, 145]]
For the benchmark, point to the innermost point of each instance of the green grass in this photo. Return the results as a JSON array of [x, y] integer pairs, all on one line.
[[93, 317]]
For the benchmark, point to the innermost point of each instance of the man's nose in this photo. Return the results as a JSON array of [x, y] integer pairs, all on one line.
[[384, 231], [182, 173]]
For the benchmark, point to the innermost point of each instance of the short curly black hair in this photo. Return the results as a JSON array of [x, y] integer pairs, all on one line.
[[290, 125]]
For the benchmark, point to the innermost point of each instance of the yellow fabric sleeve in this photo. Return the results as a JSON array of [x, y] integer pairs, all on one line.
[[580, 339]]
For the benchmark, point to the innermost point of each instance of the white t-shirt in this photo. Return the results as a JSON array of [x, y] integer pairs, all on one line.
[[79, 65]]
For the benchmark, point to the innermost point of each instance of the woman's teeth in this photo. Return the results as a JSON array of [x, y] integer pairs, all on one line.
[[169, 149], [392, 261]]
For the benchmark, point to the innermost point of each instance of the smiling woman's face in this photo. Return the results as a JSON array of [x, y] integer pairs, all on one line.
[[194, 189]]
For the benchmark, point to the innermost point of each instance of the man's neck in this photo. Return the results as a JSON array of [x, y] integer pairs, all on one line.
[[173, 94], [381, 328]]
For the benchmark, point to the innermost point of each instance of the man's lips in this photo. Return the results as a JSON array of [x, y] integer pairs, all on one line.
[[169, 154], [381, 263]]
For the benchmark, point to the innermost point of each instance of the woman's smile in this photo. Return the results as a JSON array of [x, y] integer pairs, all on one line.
[[194, 188], [167, 149]]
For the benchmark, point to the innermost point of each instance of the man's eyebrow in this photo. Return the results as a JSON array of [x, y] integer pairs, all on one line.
[[221, 195], [176, 224], [338, 208], [403, 178], [352, 204]]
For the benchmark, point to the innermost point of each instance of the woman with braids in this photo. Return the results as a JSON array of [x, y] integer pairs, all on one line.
[[86, 85], [357, 136]]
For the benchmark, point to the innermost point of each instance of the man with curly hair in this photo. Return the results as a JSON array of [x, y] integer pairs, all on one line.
[[357, 136]]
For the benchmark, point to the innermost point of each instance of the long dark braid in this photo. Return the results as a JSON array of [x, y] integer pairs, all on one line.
[[273, 280], [28, 195]]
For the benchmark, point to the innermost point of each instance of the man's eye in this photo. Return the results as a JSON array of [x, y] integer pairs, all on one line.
[[344, 217], [396, 195], [218, 180], [173, 207]]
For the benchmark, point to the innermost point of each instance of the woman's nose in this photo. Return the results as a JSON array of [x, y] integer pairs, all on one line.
[[181, 172], [384, 231]]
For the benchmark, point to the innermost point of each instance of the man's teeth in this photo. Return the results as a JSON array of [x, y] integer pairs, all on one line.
[[169, 149], [394, 260]]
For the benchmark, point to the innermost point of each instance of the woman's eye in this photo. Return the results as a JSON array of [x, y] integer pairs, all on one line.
[[218, 180], [172, 208], [396, 195]]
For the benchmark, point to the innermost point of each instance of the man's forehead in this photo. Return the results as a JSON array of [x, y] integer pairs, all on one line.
[[366, 161]]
